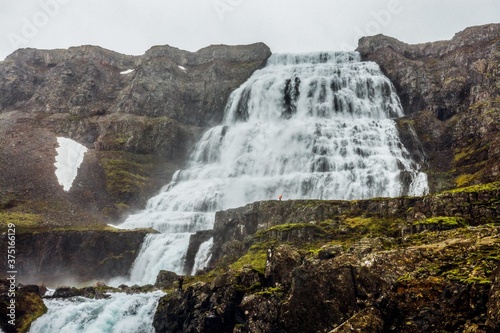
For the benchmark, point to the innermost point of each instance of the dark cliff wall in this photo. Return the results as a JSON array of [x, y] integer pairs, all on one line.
[[449, 89], [73, 257], [139, 126]]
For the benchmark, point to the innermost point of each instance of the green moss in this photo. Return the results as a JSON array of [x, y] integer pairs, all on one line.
[[32, 306], [462, 154], [123, 176], [464, 179], [255, 257], [20, 220], [450, 221], [271, 291], [292, 226], [405, 121], [37, 228], [373, 225], [129, 178], [495, 186]]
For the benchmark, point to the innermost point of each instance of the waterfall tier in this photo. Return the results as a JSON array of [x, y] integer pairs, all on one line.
[[316, 125]]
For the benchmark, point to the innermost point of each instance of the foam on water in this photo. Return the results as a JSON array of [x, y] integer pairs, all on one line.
[[121, 313]]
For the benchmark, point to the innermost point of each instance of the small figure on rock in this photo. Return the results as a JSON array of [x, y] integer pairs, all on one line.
[[180, 281], [280, 197]]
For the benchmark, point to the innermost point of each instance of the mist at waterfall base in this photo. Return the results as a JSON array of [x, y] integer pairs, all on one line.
[[311, 126], [120, 313]]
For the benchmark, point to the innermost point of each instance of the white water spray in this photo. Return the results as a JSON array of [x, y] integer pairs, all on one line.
[[121, 313], [305, 126], [203, 255]]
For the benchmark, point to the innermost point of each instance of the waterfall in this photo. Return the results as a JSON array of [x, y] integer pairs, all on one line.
[[120, 313], [305, 126], [203, 255]]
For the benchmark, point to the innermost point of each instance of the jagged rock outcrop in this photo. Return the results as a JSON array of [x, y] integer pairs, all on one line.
[[73, 256], [449, 89], [138, 115], [340, 266]]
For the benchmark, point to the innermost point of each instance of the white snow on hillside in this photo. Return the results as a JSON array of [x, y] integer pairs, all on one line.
[[127, 71], [68, 159]]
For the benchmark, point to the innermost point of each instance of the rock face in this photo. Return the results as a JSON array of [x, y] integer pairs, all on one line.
[[382, 265], [28, 305], [449, 89], [62, 257], [138, 115], [234, 227]]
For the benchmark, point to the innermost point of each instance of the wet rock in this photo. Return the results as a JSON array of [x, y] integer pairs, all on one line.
[[66, 292], [81, 255], [166, 279], [329, 251], [195, 240], [280, 264], [27, 308]]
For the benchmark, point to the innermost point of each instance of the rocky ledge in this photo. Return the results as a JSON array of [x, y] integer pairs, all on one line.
[[426, 264]]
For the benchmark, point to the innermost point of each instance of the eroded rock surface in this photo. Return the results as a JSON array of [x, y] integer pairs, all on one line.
[[449, 89]]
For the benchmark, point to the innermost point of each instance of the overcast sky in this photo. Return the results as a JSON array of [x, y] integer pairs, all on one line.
[[133, 26]]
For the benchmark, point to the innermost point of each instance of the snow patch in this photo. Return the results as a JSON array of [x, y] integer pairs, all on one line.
[[182, 68], [127, 71], [68, 159]]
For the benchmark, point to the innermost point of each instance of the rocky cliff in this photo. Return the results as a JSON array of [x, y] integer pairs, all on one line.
[[450, 92], [425, 264], [55, 257], [138, 115]]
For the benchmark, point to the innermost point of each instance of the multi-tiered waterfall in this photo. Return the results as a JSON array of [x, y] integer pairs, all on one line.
[[305, 126]]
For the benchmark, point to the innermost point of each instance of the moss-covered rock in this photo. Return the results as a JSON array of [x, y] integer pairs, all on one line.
[[18, 307]]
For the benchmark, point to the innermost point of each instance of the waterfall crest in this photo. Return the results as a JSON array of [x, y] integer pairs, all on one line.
[[316, 125]]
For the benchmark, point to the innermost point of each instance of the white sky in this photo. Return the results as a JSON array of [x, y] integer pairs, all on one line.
[[133, 26]]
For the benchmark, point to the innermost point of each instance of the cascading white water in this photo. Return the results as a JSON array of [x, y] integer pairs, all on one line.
[[121, 313], [203, 255], [305, 126]]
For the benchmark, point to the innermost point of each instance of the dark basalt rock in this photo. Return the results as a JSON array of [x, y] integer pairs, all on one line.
[[81, 256], [166, 279]]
